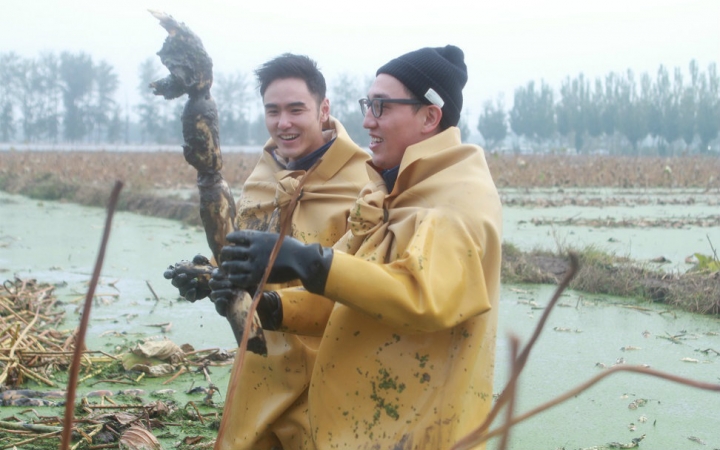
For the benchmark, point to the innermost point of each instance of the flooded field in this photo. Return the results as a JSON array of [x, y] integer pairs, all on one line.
[[58, 243], [642, 224], [586, 334]]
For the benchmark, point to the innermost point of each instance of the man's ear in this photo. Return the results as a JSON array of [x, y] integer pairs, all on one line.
[[325, 110], [433, 115]]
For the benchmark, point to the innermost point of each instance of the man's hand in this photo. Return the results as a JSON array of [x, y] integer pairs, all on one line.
[[223, 294], [245, 261], [191, 277]]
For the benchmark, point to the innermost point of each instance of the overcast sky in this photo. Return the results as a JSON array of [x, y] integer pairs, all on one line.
[[506, 42]]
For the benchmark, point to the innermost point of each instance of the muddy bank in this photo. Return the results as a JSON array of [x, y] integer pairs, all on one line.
[[695, 291]]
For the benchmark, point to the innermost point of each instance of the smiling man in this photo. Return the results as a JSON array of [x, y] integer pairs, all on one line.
[[291, 118], [267, 410], [407, 355]]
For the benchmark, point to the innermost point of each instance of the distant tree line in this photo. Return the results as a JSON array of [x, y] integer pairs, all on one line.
[[58, 97], [70, 98], [615, 113]]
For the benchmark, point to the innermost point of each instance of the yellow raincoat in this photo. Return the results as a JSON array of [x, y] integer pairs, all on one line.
[[268, 407], [407, 355]]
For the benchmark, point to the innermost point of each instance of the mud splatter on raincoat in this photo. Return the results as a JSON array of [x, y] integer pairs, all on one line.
[[407, 355], [269, 406]]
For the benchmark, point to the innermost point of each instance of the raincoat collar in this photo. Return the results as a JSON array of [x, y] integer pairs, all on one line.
[[306, 161], [431, 147], [340, 144]]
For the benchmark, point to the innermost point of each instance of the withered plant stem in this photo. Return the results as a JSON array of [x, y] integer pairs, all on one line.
[[586, 385], [472, 438], [80, 339], [508, 396], [181, 371], [33, 439], [512, 390], [519, 363], [197, 411]]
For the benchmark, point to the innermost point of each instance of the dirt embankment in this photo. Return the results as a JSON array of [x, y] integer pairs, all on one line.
[[695, 291]]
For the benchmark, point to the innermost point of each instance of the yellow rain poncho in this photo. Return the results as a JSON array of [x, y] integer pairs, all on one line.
[[268, 407], [407, 354]]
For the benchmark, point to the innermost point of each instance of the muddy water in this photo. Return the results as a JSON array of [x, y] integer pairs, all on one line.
[[58, 243], [586, 333], [641, 242]]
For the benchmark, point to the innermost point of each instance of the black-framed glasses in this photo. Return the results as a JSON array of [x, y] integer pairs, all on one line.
[[376, 104]]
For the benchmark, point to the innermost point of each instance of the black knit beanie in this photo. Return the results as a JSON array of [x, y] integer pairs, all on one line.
[[435, 76]]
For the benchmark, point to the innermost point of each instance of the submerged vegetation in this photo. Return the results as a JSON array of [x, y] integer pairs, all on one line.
[[114, 408]]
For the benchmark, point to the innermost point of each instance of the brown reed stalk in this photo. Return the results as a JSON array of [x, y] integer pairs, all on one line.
[[242, 350], [481, 434], [519, 363], [592, 381], [512, 389], [11, 357], [33, 439], [80, 340]]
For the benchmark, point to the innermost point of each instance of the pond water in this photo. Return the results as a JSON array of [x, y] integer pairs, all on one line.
[[58, 243], [640, 242], [586, 333]]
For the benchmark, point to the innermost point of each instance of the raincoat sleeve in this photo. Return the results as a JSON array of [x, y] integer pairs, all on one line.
[[435, 284], [303, 312]]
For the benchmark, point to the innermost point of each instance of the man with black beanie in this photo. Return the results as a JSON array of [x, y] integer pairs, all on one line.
[[407, 353]]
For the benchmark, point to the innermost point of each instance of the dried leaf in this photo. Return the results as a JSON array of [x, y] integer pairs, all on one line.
[[124, 418], [164, 350], [138, 438], [159, 370]]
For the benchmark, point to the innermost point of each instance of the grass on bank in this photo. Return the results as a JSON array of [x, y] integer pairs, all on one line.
[[696, 291]]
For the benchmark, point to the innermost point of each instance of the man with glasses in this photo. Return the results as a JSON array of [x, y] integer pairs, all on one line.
[[407, 354]]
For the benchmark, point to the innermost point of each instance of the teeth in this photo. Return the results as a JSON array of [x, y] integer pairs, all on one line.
[[376, 140], [287, 137]]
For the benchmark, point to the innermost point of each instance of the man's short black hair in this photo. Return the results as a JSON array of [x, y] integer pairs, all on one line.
[[289, 65]]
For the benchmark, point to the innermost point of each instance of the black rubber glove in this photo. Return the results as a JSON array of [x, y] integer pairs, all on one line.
[[191, 277], [269, 308], [246, 260], [222, 291]]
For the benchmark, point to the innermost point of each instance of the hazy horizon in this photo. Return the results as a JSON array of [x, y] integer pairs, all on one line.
[[506, 44]]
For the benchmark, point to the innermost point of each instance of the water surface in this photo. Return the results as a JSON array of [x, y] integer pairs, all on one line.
[[58, 243]]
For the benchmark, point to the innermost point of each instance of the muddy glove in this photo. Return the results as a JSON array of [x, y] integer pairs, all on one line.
[[245, 261], [269, 308], [191, 277], [222, 291]]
